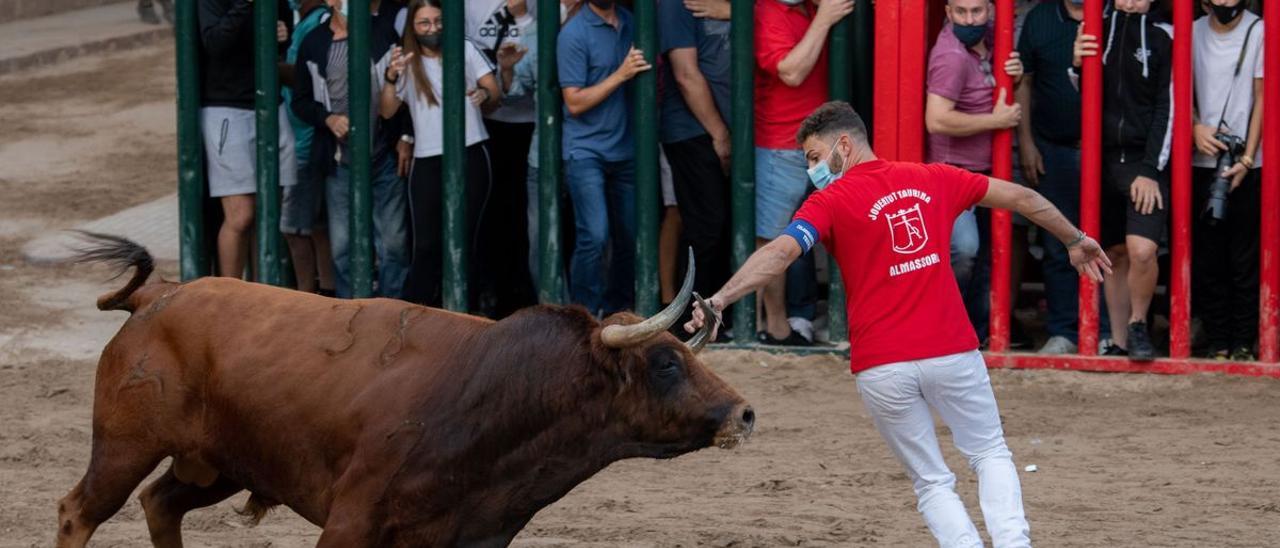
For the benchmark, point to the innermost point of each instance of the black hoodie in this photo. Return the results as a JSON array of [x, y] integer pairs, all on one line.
[[1137, 122], [226, 50]]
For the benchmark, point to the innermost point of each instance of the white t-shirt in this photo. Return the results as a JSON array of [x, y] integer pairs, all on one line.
[[1216, 55], [428, 120], [485, 21]]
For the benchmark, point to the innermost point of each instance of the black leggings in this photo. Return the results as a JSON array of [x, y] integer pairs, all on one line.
[[426, 205]]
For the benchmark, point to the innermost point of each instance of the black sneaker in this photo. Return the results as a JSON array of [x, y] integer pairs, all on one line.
[[1140, 347], [1242, 354], [794, 339], [1112, 349]]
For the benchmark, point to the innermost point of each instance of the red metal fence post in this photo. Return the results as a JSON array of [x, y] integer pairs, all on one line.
[[1268, 332], [913, 55], [1180, 202], [1001, 168], [1090, 171], [885, 103]]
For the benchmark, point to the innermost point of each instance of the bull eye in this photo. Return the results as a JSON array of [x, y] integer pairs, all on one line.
[[669, 367]]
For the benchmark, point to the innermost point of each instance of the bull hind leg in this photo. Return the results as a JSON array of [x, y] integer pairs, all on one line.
[[115, 469], [167, 499]]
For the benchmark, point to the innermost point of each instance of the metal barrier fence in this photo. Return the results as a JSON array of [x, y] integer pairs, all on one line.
[[849, 56], [900, 27]]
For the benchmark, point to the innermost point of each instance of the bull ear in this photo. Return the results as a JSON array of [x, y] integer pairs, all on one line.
[[710, 323], [624, 336]]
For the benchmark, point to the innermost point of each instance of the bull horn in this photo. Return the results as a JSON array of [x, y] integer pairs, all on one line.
[[710, 321], [623, 336]]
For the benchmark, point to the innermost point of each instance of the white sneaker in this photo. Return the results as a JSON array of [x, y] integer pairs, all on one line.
[[802, 326], [1058, 345]]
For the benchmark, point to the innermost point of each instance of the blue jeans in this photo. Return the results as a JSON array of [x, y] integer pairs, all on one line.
[[972, 267], [1060, 184], [604, 197], [390, 230]]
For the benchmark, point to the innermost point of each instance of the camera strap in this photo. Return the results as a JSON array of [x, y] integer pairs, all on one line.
[[1244, 50]]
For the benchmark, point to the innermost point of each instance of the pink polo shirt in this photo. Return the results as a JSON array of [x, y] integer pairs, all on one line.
[[958, 74]]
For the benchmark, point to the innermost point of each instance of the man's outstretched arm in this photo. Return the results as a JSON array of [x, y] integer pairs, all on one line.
[[1086, 255], [766, 264]]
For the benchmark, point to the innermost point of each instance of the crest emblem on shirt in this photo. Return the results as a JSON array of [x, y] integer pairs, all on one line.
[[1141, 54], [906, 228]]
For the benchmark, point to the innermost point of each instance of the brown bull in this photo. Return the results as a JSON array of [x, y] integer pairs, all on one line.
[[385, 423]]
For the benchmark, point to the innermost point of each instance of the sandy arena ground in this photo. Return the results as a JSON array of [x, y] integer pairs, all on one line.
[[1124, 460]]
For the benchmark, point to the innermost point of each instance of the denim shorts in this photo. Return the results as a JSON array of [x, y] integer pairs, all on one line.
[[782, 177]]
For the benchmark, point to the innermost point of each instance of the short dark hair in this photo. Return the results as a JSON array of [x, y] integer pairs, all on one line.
[[832, 117]]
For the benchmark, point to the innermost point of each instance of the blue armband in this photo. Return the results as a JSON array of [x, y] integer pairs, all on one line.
[[804, 233]]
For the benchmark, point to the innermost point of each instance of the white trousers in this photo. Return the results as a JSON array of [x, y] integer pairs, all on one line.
[[899, 398]]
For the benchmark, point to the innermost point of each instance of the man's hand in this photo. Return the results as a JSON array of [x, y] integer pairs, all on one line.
[[1207, 142], [632, 65], [404, 158], [282, 32], [1086, 46], [1145, 193], [699, 318], [339, 125], [1013, 67], [509, 54], [723, 146], [1006, 115], [1089, 259], [709, 9], [1032, 162], [831, 12]]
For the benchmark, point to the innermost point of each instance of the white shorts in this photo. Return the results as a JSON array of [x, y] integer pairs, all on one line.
[[230, 150]]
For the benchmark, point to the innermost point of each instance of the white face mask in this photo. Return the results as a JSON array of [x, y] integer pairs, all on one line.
[[564, 12]]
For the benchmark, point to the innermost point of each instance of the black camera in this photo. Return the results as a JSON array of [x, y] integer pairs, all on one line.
[[1215, 210]]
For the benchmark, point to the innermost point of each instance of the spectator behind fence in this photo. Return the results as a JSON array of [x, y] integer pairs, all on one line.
[[695, 134], [227, 120], [596, 62], [960, 116], [518, 67], [791, 82], [491, 24], [1136, 130], [1227, 46], [413, 75], [1049, 145], [302, 205], [147, 11], [323, 99]]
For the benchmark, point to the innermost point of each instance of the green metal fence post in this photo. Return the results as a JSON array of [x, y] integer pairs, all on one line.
[[455, 158], [645, 117], [841, 89], [742, 44], [360, 139], [194, 258], [267, 92], [550, 117]]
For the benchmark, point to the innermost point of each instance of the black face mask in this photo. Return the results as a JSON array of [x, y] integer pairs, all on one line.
[[430, 41], [1226, 14], [602, 4]]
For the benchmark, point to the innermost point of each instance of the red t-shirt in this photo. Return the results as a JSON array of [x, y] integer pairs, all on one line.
[[888, 225], [781, 108]]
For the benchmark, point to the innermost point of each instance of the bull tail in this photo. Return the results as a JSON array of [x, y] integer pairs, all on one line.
[[123, 254], [256, 508]]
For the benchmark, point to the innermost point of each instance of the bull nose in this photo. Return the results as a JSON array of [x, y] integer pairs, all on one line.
[[748, 418]]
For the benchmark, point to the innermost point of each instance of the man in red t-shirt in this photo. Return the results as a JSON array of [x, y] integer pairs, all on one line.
[[888, 225], [791, 81]]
